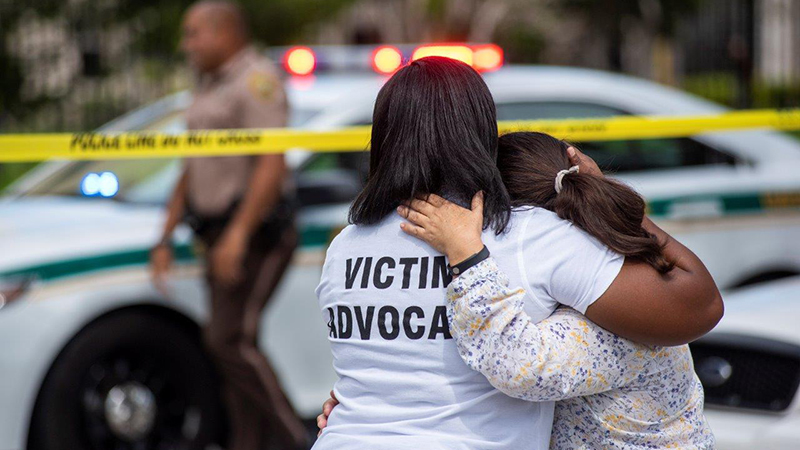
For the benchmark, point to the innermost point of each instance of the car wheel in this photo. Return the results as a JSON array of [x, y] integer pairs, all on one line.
[[132, 380]]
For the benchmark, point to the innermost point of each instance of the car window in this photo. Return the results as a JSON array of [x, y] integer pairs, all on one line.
[[329, 178], [619, 156], [333, 177]]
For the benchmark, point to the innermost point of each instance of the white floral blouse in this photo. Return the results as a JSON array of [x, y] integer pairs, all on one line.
[[611, 393]]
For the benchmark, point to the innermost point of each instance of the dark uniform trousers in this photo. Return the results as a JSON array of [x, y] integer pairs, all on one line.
[[253, 395]]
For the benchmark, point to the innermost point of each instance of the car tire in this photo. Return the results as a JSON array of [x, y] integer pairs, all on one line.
[[130, 380]]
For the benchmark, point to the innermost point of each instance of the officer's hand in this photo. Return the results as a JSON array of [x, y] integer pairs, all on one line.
[[327, 408], [227, 257], [160, 265]]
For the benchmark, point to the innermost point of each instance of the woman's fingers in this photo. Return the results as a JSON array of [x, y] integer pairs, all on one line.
[[333, 397], [587, 165], [413, 230], [412, 215], [436, 201], [572, 154], [576, 157], [322, 421], [423, 207]]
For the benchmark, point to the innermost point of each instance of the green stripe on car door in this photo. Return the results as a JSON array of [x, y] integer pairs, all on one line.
[[320, 236], [312, 236]]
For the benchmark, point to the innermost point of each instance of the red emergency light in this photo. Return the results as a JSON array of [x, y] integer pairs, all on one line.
[[487, 57], [300, 61], [386, 59]]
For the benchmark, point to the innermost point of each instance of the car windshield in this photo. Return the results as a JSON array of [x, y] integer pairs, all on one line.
[[138, 181]]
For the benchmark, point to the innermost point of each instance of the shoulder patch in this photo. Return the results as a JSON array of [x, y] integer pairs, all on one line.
[[262, 84]]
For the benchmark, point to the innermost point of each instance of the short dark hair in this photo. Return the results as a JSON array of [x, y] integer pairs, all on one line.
[[227, 13], [434, 131]]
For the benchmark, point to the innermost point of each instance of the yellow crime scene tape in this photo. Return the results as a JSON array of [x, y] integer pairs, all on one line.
[[145, 144]]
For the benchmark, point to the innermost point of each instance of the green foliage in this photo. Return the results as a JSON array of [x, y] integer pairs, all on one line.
[[608, 13], [155, 26], [10, 82], [776, 96], [280, 22], [719, 87], [522, 44], [272, 22], [724, 88]]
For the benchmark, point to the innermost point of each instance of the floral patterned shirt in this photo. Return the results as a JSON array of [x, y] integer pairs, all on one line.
[[611, 393]]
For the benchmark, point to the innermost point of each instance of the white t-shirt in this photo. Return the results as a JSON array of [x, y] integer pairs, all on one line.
[[402, 384]]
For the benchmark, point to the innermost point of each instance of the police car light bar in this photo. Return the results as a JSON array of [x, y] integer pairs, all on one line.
[[483, 57], [385, 59]]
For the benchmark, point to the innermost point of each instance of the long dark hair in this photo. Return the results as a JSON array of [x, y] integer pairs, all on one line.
[[434, 131], [606, 209]]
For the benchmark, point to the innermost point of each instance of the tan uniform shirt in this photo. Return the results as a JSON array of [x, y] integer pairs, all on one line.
[[246, 92]]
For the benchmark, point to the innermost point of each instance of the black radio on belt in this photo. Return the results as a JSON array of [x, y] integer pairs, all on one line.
[[209, 228]]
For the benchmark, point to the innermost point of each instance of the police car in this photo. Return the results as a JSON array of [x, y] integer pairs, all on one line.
[[750, 368], [93, 356]]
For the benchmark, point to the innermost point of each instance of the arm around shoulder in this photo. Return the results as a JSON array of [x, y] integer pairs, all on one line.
[[536, 362]]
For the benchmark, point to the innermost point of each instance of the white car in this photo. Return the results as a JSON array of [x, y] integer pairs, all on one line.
[[93, 356], [750, 368]]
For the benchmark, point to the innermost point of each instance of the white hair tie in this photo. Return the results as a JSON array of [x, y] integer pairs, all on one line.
[[560, 176]]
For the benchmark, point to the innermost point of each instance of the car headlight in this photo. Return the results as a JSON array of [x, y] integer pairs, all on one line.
[[11, 289]]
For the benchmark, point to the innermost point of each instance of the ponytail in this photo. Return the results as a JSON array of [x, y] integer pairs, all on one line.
[[612, 213], [604, 208]]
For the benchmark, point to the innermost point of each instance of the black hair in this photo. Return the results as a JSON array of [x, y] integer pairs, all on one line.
[[434, 131]]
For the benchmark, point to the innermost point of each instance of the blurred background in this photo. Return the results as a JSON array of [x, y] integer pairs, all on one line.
[[98, 59], [74, 65], [93, 356]]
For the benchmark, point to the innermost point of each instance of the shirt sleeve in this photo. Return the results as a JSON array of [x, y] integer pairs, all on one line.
[[262, 100], [564, 356], [564, 264]]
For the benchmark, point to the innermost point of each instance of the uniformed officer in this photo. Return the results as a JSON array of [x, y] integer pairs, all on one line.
[[241, 210]]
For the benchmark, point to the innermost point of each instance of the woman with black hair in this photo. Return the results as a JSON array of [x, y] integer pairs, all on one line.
[[401, 381]]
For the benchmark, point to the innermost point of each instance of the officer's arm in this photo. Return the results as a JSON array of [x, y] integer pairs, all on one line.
[[175, 208], [261, 105]]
